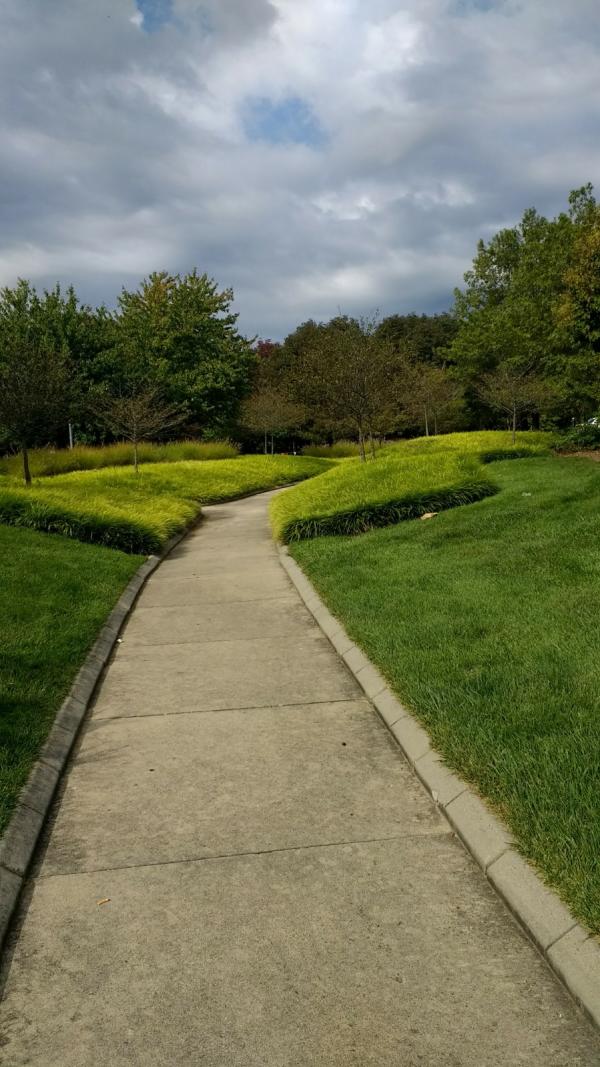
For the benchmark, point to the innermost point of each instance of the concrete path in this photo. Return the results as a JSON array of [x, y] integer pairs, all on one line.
[[279, 889]]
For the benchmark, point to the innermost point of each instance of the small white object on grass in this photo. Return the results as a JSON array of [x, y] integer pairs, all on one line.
[[429, 515]]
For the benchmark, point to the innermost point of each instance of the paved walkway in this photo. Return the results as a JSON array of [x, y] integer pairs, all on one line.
[[279, 889]]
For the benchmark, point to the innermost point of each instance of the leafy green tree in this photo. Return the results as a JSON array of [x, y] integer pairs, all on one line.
[[508, 310], [514, 391], [36, 381], [182, 331], [579, 316], [349, 376], [423, 338], [432, 398], [269, 412]]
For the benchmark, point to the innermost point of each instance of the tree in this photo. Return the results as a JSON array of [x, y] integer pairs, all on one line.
[[269, 412], [579, 317], [508, 309], [139, 415], [431, 395], [420, 337], [35, 374], [349, 375], [186, 336], [513, 390]]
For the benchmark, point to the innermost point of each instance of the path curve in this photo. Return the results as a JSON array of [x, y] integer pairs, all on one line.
[[241, 869]]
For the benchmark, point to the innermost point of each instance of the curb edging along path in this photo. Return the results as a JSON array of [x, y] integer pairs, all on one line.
[[20, 838], [572, 953]]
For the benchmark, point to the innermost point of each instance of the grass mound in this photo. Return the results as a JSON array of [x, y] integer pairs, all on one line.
[[408, 479], [45, 461], [138, 513], [55, 595], [486, 623]]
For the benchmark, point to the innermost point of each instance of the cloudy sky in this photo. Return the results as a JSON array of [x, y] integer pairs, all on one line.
[[315, 155]]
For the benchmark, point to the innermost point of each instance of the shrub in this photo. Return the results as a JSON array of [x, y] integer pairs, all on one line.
[[584, 437]]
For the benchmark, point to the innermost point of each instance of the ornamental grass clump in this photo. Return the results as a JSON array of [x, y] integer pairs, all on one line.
[[355, 497], [140, 512], [45, 462]]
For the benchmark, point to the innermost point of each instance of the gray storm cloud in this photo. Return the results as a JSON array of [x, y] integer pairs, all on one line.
[[125, 146]]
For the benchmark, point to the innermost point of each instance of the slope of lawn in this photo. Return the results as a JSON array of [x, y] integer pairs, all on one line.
[[486, 445], [354, 496], [44, 462], [406, 480], [486, 622], [55, 595], [139, 512]]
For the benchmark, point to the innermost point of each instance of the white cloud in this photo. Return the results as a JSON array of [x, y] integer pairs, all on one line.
[[125, 151]]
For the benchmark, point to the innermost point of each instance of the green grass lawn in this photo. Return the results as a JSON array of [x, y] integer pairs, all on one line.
[[486, 622], [139, 512], [406, 480], [55, 595]]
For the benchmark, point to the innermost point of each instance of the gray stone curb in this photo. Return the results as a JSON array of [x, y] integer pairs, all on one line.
[[20, 838], [572, 953]]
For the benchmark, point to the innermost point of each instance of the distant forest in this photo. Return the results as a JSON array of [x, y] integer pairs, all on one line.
[[520, 346]]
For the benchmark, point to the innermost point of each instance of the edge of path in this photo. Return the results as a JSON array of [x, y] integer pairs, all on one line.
[[19, 841], [570, 950]]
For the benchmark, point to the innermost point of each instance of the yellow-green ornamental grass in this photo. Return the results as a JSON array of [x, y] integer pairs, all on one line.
[[405, 480], [48, 461], [139, 512]]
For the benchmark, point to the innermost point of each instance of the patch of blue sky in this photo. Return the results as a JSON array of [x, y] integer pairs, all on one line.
[[155, 13], [290, 120]]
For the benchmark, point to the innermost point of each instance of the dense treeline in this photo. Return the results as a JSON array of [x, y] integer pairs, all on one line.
[[521, 346], [170, 357]]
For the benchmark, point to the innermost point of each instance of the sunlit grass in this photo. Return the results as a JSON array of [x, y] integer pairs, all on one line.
[[44, 462], [139, 512], [486, 622]]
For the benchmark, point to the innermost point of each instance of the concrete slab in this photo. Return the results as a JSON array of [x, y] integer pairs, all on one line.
[[378, 953], [225, 674], [328, 917], [215, 589], [143, 792], [193, 623]]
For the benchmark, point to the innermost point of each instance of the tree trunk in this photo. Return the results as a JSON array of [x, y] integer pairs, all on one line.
[[434, 424], [272, 445], [70, 435], [372, 445], [426, 422], [514, 423], [135, 456], [26, 471], [266, 443], [361, 445]]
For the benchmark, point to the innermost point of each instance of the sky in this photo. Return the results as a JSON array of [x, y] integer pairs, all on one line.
[[316, 156]]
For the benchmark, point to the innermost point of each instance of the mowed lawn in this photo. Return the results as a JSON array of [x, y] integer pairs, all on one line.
[[486, 621], [55, 595]]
